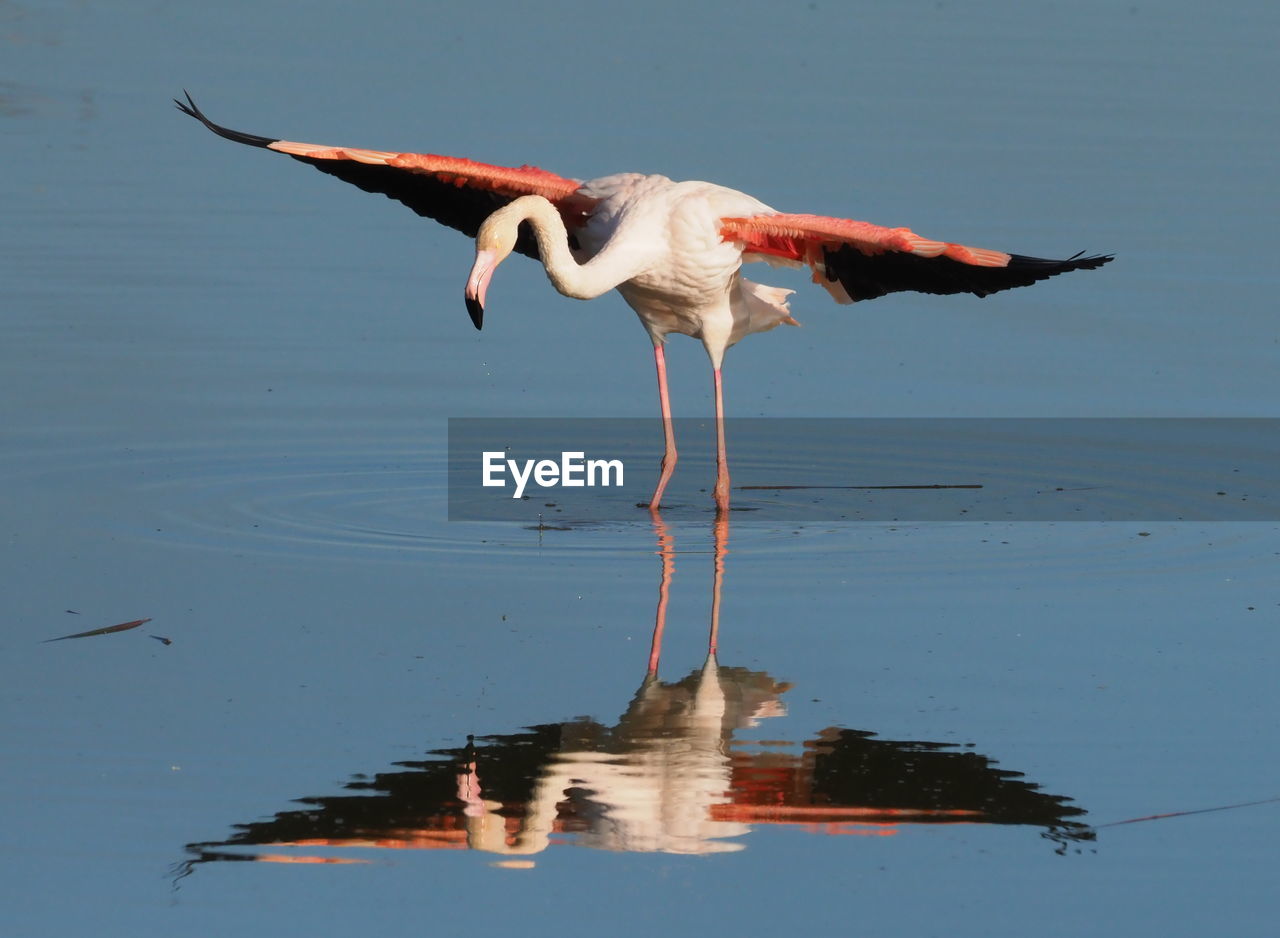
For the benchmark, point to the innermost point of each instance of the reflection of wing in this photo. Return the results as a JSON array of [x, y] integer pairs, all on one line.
[[456, 192], [848, 777], [855, 260], [668, 777]]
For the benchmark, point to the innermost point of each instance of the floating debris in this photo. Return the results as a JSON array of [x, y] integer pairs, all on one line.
[[1169, 814], [874, 488], [122, 627]]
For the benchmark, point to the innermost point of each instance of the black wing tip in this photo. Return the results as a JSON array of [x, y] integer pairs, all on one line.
[[476, 312], [865, 277], [1050, 267], [191, 110]]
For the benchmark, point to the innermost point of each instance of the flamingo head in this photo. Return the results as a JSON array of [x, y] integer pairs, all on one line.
[[494, 242]]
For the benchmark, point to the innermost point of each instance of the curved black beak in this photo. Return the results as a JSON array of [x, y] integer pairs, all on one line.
[[478, 284]]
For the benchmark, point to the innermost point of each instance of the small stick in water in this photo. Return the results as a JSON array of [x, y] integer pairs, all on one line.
[[879, 488], [1169, 814], [122, 627]]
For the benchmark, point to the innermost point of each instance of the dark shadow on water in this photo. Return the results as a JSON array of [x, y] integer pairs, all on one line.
[[668, 776]]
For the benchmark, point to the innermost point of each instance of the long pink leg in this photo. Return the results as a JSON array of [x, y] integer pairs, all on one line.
[[722, 459], [669, 457]]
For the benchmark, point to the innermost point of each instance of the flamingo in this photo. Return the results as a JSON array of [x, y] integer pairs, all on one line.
[[674, 250]]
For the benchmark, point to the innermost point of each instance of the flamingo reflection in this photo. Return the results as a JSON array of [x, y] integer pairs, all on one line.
[[669, 776], [656, 780]]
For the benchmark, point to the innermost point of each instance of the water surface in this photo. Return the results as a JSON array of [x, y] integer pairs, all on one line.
[[226, 386]]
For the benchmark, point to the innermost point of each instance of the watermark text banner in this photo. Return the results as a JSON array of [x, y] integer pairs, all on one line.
[[544, 470]]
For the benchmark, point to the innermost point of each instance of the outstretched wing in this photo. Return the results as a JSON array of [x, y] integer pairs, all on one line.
[[456, 192], [856, 260]]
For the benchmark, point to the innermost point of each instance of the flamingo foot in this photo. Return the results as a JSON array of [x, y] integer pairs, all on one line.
[[665, 470], [722, 494]]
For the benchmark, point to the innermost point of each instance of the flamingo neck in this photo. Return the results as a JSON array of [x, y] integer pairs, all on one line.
[[580, 281]]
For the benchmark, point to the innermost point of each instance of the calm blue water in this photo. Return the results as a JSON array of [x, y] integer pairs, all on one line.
[[224, 386]]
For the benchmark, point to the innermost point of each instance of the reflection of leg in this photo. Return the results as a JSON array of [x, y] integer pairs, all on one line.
[[469, 792], [669, 456], [722, 460], [667, 551], [721, 529], [486, 823]]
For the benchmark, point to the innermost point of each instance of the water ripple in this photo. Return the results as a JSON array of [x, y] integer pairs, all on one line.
[[386, 499]]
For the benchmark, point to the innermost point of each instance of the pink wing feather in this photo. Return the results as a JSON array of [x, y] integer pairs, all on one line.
[[508, 180], [457, 192], [856, 260]]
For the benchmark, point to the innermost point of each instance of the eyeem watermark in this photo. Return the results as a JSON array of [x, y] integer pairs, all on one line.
[[792, 469], [573, 470]]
